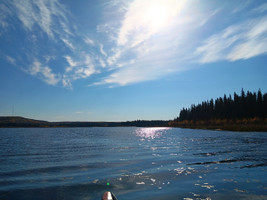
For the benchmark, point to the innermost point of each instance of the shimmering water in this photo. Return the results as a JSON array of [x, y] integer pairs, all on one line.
[[139, 163]]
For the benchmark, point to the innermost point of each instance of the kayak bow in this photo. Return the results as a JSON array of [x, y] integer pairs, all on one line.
[[109, 196]]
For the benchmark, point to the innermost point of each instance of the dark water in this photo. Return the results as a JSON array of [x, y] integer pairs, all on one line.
[[139, 163]]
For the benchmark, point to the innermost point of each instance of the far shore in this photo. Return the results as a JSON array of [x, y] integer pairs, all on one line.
[[248, 125], [239, 128], [252, 125]]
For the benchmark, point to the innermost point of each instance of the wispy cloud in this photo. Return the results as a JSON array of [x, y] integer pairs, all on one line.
[[83, 113], [68, 44], [139, 22], [239, 6], [11, 60], [102, 63], [89, 41], [208, 17], [240, 41], [145, 41], [71, 63], [44, 14], [102, 50], [140, 38], [147, 50], [86, 70], [134, 74], [44, 72], [4, 12], [66, 82], [51, 20], [83, 68], [260, 9], [113, 59], [41, 20]]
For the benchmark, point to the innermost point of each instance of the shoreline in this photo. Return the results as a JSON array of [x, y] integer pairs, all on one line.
[[245, 125], [21, 122], [227, 128]]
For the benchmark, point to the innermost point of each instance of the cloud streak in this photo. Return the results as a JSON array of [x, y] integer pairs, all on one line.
[[139, 23], [68, 44], [44, 72], [51, 22], [262, 8], [142, 41], [240, 41], [161, 49], [44, 14]]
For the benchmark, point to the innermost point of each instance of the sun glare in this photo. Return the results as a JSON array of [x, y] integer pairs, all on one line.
[[156, 16], [146, 18], [150, 133]]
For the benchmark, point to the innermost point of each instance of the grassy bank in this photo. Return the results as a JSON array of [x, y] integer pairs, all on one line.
[[251, 124]]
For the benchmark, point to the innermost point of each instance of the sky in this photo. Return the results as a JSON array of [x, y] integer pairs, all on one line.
[[119, 60]]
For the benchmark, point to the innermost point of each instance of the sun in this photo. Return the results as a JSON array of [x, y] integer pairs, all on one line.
[[156, 16], [145, 18]]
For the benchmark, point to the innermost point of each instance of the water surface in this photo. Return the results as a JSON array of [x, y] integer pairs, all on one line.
[[139, 163]]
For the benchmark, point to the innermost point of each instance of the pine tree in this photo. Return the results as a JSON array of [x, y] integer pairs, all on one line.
[[247, 105]]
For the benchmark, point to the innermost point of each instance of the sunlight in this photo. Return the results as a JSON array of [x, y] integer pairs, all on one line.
[[146, 18], [150, 133], [158, 13], [156, 16]]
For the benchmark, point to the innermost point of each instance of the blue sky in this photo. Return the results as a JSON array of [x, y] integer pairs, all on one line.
[[124, 60]]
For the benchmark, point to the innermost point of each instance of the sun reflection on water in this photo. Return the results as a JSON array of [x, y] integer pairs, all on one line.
[[150, 133]]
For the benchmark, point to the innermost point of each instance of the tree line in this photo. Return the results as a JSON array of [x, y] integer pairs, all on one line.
[[25, 122], [244, 106]]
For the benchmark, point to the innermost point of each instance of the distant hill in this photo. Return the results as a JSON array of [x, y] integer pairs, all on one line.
[[8, 122]]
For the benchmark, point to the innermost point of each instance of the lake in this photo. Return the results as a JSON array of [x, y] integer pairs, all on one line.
[[134, 163]]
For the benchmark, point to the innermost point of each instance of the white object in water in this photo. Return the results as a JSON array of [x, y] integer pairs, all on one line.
[[107, 196]]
